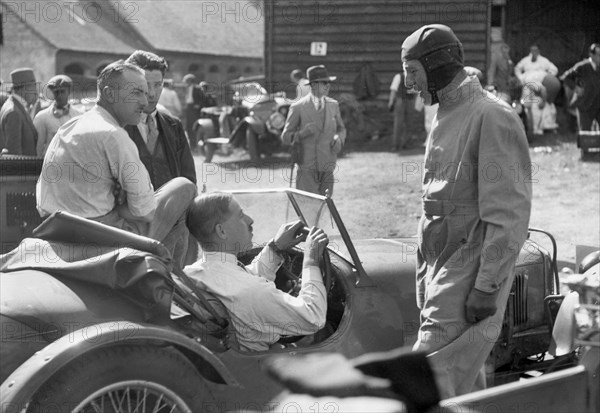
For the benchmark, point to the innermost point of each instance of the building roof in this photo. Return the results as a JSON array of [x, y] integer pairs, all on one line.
[[232, 28], [68, 27]]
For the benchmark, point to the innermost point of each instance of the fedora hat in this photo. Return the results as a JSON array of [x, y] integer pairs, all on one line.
[[318, 74], [22, 76]]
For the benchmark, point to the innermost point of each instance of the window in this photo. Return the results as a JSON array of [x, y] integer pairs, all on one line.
[[194, 68], [214, 69], [74, 69]]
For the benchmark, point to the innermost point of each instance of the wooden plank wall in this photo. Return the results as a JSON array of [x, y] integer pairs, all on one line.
[[359, 31]]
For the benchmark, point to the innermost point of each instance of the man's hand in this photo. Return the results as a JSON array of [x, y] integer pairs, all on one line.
[[119, 194], [336, 144], [480, 305], [307, 131], [316, 241], [287, 236]]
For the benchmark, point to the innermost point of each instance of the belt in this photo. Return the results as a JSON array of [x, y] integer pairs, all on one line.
[[444, 207]]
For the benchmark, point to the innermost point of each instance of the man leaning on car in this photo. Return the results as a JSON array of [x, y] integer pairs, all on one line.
[[92, 168], [260, 313]]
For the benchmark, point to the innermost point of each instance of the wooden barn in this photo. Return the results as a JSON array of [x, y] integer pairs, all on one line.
[[350, 36], [347, 35]]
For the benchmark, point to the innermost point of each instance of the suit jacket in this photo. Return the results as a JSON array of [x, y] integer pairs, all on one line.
[[17, 132], [320, 149], [177, 149]]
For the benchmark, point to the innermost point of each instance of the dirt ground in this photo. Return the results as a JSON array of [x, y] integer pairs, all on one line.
[[378, 192]]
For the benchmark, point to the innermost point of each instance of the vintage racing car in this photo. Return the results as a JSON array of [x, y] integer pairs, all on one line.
[[88, 322], [357, 385], [244, 123]]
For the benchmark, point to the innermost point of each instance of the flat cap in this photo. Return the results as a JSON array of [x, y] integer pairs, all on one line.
[[59, 81]]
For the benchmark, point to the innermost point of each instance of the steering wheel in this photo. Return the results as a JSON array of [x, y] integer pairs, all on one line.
[[326, 271], [291, 283]]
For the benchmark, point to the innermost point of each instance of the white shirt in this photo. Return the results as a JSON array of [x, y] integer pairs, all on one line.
[[84, 160], [47, 125], [529, 71], [318, 102], [260, 313], [395, 86]]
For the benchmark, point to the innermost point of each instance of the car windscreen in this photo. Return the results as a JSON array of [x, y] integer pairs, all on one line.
[[270, 210]]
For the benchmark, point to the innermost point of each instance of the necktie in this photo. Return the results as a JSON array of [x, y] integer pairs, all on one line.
[[152, 133], [319, 105]]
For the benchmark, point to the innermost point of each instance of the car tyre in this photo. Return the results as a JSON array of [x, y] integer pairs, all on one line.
[[252, 145], [122, 379]]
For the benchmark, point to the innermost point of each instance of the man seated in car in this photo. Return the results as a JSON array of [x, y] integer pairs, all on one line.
[[260, 313]]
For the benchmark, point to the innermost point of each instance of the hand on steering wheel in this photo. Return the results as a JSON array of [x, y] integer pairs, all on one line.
[[289, 235]]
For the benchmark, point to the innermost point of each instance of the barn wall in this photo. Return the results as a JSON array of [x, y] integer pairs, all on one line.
[[358, 32]]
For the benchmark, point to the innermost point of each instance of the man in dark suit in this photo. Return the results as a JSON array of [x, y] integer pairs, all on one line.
[[584, 79], [160, 137], [17, 132], [314, 122]]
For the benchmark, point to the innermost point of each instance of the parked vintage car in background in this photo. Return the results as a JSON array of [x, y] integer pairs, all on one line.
[[244, 123], [87, 317]]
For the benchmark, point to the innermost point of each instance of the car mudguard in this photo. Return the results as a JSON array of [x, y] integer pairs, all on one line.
[[22, 384], [256, 125]]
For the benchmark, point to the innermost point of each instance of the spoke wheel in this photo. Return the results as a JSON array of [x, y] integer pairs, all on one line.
[[125, 379], [132, 397]]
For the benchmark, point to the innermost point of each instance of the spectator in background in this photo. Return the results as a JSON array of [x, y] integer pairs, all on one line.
[[501, 74], [169, 98], [17, 131], [192, 107], [402, 103], [531, 72], [584, 80], [3, 96], [302, 85], [314, 123], [48, 120]]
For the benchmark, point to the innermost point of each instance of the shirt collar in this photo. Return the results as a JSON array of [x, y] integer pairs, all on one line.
[[105, 114], [144, 117], [219, 257], [316, 100]]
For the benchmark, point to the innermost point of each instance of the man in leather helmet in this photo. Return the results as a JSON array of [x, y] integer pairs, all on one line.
[[476, 208]]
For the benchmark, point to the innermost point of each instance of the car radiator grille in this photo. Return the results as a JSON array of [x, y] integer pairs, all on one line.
[[519, 297]]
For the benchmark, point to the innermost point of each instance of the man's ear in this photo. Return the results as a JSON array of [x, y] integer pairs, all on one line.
[[220, 231], [109, 94]]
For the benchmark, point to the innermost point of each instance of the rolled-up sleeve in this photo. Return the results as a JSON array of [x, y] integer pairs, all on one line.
[[131, 174]]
